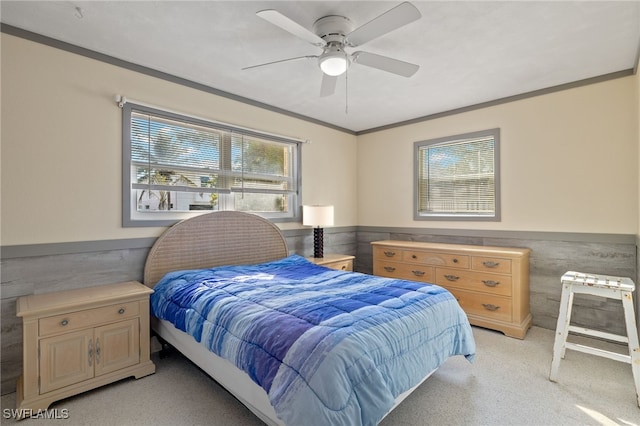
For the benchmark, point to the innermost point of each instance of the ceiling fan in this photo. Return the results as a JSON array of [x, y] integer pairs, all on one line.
[[336, 33]]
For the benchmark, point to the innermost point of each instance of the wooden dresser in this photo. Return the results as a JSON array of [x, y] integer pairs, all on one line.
[[490, 283], [77, 340]]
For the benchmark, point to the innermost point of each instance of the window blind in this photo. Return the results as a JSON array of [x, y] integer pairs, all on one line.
[[168, 155], [180, 164], [457, 177]]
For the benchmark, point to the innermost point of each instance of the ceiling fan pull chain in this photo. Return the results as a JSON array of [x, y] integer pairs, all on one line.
[[346, 92]]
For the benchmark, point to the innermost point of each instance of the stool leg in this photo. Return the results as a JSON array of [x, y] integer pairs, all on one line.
[[562, 330], [632, 334]]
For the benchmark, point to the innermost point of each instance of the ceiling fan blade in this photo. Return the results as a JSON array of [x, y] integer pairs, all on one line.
[[385, 63], [328, 87], [395, 18], [277, 62], [289, 25]]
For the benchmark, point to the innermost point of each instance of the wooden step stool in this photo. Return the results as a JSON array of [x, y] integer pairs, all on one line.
[[599, 285]]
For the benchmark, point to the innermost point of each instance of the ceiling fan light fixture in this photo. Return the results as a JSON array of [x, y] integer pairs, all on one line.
[[333, 61], [333, 66]]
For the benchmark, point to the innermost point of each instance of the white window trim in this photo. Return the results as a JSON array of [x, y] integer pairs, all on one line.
[[496, 217]]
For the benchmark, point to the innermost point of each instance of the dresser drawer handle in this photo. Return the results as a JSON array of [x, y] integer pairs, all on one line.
[[64, 322], [121, 311], [413, 256], [490, 264], [490, 283], [389, 253], [455, 260], [418, 273], [490, 307], [344, 267], [389, 268], [452, 277]]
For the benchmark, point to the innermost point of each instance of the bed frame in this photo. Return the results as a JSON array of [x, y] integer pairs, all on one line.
[[205, 241]]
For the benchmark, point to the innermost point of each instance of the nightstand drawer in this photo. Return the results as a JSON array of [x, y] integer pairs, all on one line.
[[341, 262], [87, 318], [345, 265]]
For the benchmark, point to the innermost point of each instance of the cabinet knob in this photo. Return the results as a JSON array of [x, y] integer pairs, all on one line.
[[64, 322], [344, 267], [455, 260], [413, 256], [121, 311]]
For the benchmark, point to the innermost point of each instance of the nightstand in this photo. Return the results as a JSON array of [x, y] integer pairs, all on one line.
[[77, 340], [342, 262]]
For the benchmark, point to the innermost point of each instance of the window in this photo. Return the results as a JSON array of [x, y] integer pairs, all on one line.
[[457, 177], [176, 166]]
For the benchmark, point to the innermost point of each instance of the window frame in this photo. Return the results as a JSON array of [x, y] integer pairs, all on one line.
[[132, 218], [451, 140]]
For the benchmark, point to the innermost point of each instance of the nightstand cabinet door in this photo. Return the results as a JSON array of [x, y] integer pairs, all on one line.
[[65, 360], [117, 346]]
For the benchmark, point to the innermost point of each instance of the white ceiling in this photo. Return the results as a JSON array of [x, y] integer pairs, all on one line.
[[469, 52]]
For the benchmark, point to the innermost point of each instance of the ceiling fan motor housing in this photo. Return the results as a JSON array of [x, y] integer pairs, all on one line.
[[333, 28]]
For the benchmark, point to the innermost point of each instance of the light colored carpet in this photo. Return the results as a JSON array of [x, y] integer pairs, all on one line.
[[506, 385]]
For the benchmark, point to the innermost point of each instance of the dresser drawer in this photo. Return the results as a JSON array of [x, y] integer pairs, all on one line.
[[436, 259], [387, 253], [491, 264], [476, 281], [87, 318], [403, 271], [484, 305]]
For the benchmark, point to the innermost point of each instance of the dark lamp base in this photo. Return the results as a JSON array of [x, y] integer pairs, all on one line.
[[318, 242]]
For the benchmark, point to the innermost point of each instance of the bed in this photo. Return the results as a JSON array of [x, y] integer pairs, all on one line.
[[295, 342]]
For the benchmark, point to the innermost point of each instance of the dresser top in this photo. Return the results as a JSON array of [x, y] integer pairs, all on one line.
[[457, 248], [37, 304]]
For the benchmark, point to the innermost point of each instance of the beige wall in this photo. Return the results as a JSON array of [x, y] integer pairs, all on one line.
[[569, 159], [569, 163], [59, 122]]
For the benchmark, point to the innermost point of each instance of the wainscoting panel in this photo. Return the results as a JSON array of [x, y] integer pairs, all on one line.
[[552, 255]]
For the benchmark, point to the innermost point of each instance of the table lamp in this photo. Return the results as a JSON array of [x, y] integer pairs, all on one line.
[[317, 216]]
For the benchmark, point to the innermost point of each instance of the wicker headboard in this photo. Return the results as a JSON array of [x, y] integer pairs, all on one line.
[[214, 239]]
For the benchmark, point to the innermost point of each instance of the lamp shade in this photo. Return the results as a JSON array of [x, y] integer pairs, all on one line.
[[317, 215]]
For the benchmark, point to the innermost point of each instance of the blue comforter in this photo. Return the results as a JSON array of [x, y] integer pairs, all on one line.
[[329, 347]]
